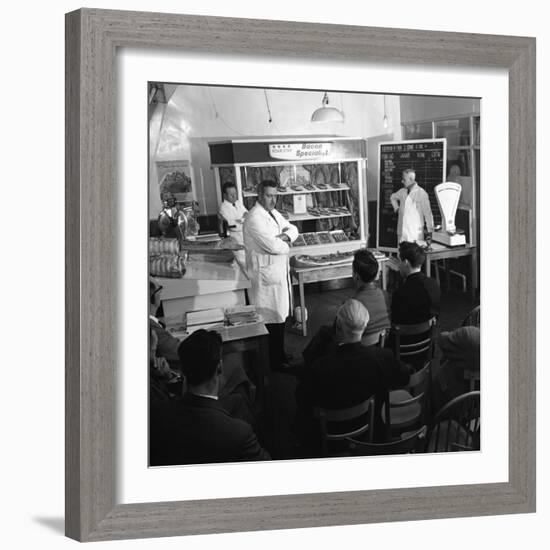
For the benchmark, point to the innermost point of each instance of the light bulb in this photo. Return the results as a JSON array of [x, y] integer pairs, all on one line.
[[385, 121]]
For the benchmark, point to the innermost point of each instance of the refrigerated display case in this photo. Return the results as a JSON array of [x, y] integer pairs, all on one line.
[[321, 184]]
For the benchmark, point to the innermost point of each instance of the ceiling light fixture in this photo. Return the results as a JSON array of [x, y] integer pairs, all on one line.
[[326, 113], [385, 119]]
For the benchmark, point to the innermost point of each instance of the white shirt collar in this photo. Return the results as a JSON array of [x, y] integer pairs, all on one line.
[[215, 397]]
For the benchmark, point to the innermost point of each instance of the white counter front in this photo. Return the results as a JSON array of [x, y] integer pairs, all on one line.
[[204, 285]]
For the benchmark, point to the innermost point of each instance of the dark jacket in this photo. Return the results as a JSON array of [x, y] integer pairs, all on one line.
[[416, 300], [194, 430], [350, 375]]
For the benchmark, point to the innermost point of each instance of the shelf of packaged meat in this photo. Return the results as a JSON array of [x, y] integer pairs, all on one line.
[[305, 189], [320, 194], [321, 237], [303, 217]]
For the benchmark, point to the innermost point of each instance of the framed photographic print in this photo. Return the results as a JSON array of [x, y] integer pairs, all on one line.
[[215, 188]]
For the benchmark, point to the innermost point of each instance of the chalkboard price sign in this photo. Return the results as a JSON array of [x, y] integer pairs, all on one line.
[[427, 158]]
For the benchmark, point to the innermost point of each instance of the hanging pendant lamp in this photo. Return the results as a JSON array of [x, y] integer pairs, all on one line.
[[326, 113], [385, 119]]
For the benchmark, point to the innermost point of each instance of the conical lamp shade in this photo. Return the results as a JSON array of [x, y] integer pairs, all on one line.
[[326, 113]]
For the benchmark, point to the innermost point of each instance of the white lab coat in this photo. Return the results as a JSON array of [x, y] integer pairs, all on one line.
[[413, 223], [267, 262], [233, 215], [414, 212]]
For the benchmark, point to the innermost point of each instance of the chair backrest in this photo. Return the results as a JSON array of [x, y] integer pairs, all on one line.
[[418, 382], [416, 390], [374, 339], [412, 348], [364, 410], [457, 426], [407, 444]]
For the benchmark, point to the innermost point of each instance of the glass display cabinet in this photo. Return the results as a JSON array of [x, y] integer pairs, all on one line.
[[321, 185]]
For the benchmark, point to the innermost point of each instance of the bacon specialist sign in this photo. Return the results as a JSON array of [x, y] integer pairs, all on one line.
[[299, 151]]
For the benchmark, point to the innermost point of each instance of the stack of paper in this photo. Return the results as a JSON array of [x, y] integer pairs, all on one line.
[[242, 315], [206, 319]]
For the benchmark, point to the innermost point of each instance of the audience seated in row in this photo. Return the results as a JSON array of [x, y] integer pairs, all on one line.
[[364, 272], [196, 428], [417, 299], [347, 376], [339, 371]]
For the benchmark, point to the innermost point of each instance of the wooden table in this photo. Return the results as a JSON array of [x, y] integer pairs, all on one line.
[[303, 275], [442, 252]]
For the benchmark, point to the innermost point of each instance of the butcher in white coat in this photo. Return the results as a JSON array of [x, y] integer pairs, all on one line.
[[415, 221], [267, 239], [233, 212]]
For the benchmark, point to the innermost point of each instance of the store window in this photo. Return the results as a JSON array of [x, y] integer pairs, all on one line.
[[476, 131], [456, 131], [458, 163], [422, 130]]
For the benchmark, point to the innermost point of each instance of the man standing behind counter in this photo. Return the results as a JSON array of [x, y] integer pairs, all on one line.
[[267, 239], [413, 204], [232, 211]]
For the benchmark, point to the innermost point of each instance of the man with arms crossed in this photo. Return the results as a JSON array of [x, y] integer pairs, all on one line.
[[267, 240]]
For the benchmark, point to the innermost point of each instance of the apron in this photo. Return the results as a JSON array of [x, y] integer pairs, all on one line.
[[413, 224]]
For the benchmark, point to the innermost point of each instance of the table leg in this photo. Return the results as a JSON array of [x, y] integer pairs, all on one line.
[[262, 356], [302, 304], [474, 281], [428, 266], [384, 276]]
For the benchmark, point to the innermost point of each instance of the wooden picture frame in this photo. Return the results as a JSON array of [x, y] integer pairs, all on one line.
[[92, 39]]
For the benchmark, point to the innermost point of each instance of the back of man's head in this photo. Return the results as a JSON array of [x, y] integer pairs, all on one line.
[[200, 356], [413, 253], [365, 265], [352, 318]]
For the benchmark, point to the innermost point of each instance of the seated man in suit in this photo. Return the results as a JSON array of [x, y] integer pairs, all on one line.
[[364, 273], [418, 299], [196, 428], [350, 374], [233, 379]]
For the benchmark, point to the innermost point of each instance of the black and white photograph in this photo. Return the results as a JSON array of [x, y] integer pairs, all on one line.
[[249, 251], [313, 274]]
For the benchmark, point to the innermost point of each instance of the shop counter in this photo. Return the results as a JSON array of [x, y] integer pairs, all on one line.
[[205, 285]]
